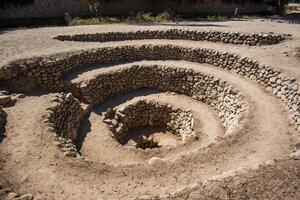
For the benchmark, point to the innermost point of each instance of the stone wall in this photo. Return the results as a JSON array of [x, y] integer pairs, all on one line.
[[47, 71], [64, 116], [213, 36], [216, 93], [149, 113]]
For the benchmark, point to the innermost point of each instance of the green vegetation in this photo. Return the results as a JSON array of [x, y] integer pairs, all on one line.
[[147, 17], [93, 21], [140, 17]]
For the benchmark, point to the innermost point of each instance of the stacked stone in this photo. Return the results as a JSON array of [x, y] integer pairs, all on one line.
[[149, 113], [218, 94], [145, 142], [46, 72], [5, 98], [3, 117], [178, 34], [39, 71], [64, 117]]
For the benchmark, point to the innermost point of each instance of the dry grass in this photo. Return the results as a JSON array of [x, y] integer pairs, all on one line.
[[140, 17], [93, 21]]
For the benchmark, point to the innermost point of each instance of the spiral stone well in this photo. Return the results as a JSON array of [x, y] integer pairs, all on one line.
[[145, 113], [129, 120]]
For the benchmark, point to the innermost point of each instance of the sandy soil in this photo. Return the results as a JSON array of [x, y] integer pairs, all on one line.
[[214, 167]]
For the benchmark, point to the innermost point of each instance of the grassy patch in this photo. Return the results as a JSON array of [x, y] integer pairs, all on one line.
[[93, 21], [141, 17], [147, 17]]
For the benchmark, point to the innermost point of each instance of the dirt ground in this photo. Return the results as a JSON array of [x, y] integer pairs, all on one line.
[[252, 163]]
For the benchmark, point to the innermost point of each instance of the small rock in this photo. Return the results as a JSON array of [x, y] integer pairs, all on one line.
[[11, 195], [20, 96], [25, 197], [4, 192], [5, 99], [145, 197], [70, 154], [4, 92], [131, 143], [69, 95], [154, 160], [295, 155], [269, 89], [270, 162], [294, 107], [108, 121]]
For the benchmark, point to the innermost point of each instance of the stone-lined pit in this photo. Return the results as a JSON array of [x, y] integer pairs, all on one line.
[[214, 92], [47, 72], [177, 34], [64, 114], [235, 152], [144, 113]]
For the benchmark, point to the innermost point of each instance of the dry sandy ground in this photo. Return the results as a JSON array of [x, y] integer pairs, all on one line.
[[34, 42], [210, 168]]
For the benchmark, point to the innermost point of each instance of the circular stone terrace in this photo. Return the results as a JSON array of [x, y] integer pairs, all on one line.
[[137, 112]]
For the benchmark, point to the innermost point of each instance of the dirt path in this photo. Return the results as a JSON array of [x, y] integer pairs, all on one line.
[[25, 147]]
